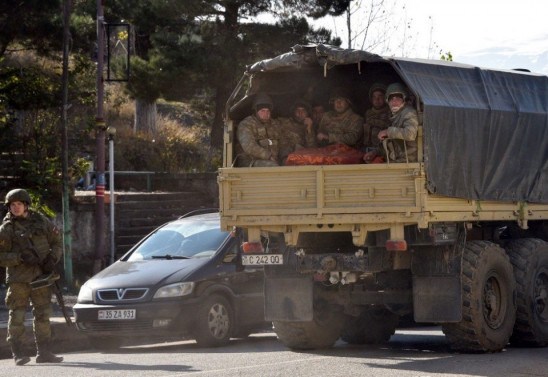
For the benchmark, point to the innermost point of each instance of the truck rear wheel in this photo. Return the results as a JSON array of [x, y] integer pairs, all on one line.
[[529, 256], [374, 325], [322, 332], [488, 308]]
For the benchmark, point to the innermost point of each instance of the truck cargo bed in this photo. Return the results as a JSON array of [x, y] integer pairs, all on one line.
[[375, 196]]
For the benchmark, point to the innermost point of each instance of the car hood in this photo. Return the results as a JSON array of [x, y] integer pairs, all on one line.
[[147, 273]]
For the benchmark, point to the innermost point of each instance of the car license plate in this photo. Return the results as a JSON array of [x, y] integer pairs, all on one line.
[[262, 259], [116, 314]]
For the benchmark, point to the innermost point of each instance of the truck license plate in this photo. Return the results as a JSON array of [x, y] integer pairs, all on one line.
[[115, 314], [262, 259]]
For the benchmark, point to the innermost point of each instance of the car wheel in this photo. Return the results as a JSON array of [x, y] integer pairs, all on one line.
[[215, 322]]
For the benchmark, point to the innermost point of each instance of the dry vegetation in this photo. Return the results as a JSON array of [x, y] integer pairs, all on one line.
[[181, 143]]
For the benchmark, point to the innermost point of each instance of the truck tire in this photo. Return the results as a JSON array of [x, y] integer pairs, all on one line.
[[488, 303], [322, 332], [214, 322], [529, 256], [375, 325]]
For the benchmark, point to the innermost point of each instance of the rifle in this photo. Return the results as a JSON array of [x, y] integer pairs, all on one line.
[[52, 279]]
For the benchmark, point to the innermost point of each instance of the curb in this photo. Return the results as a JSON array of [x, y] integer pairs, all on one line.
[[64, 338]]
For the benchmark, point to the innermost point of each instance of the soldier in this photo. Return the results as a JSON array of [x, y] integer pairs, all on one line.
[[318, 110], [401, 136], [297, 132], [258, 135], [340, 125], [377, 118], [30, 246]]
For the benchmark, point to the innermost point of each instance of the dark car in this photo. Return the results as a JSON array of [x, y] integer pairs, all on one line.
[[185, 279]]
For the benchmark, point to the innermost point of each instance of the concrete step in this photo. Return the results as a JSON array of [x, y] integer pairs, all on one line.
[[138, 214], [190, 201], [10, 167], [122, 198], [152, 219], [134, 231]]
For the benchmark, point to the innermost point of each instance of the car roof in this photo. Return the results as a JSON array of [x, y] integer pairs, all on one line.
[[202, 213]]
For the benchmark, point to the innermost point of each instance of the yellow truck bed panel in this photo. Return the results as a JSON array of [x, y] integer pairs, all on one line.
[[378, 195], [318, 189]]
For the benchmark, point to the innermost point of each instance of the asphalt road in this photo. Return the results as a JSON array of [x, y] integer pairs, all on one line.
[[414, 352]]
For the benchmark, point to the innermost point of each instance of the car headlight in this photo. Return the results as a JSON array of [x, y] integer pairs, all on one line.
[[175, 290], [85, 294]]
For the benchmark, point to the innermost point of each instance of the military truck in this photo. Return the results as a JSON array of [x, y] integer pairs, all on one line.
[[458, 238]]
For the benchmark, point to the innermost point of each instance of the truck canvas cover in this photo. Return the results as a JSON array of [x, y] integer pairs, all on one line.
[[485, 131]]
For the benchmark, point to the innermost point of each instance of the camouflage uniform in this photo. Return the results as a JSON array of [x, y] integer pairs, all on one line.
[[375, 121], [20, 235], [293, 136], [346, 128], [258, 141], [402, 135]]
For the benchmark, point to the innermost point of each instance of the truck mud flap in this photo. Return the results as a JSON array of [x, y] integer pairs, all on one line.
[[289, 298], [437, 299]]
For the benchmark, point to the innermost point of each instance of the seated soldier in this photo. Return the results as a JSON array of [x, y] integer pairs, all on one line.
[[258, 135], [317, 112], [377, 118], [340, 125], [297, 131], [401, 136]]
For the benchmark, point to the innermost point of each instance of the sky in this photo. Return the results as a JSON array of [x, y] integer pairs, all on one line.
[[501, 34]]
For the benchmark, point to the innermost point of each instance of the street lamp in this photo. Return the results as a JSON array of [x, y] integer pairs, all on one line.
[[111, 131]]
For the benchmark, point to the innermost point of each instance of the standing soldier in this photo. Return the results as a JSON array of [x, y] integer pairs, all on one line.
[[258, 135], [340, 125], [30, 246]]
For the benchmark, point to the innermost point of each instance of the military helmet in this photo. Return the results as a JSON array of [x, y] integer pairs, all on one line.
[[378, 86], [396, 88], [17, 195], [262, 100]]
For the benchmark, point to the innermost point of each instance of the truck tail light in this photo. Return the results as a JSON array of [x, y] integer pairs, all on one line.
[[252, 247], [396, 245]]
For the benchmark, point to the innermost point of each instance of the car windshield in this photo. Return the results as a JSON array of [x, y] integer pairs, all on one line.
[[182, 239]]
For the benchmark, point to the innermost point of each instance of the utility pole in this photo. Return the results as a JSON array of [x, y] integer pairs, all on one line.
[[100, 127], [111, 131], [67, 227]]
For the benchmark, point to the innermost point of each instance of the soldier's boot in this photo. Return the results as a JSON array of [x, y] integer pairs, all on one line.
[[17, 352], [44, 354]]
